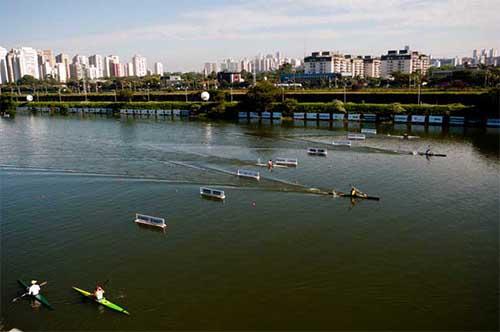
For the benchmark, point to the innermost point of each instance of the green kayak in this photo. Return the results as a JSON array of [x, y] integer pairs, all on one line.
[[104, 302], [40, 298]]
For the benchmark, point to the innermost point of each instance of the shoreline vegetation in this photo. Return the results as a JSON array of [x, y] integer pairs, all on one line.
[[265, 97]]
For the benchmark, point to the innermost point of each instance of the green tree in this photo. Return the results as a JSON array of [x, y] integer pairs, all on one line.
[[125, 95], [336, 106], [7, 105], [261, 96]]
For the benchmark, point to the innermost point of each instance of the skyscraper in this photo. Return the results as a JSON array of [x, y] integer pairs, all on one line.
[[158, 68], [64, 59], [97, 61], [140, 66], [25, 62], [3, 66]]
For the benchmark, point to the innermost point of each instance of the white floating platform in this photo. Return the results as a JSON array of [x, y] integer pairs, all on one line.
[[212, 193], [369, 131], [317, 151], [342, 143], [286, 161], [358, 137], [248, 174], [150, 221]]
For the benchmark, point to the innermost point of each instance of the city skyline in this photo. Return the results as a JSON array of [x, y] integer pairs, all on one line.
[[184, 36]]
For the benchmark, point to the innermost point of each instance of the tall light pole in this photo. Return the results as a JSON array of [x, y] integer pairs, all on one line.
[[148, 91], [419, 86]]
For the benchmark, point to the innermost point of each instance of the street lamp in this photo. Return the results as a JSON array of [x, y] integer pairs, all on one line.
[[148, 91], [419, 87]]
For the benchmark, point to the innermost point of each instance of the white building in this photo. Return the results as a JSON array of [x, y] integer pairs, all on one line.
[[158, 68], [81, 59], [130, 69], [97, 61], [59, 72], [371, 67], [77, 71], [4, 78], [210, 67], [64, 59], [109, 61], [404, 61], [325, 63], [25, 62], [140, 65]]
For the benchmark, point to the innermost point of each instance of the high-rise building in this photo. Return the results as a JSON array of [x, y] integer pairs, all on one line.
[[210, 67], [48, 56], [77, 71], [140, 65], [64, 59], [109, 61], [11, 66], [3, 66], [158, 68], [60, 72], [97, 61], [81, 59], [25, 62], [130, 69]]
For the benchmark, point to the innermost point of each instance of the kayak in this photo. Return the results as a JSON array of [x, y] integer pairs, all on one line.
[[40, 298], [375, 198], [431, 154], [104, 302]]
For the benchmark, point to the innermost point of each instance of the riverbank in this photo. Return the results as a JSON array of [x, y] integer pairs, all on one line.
[[231, 110]]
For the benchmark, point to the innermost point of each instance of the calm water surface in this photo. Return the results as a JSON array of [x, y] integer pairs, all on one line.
[[273, 255]]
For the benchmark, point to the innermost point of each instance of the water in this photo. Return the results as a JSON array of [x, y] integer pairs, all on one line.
[[274, 255]]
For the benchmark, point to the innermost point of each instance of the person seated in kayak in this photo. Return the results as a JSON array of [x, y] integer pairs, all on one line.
[[99, 293], [428, 151], [405, 136], [356, 193], [270, 165], [34, 289]]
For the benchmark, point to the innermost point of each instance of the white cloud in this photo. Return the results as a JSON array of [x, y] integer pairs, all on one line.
[[325, 22]]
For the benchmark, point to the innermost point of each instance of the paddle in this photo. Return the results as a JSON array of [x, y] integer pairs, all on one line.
[[19, 297]]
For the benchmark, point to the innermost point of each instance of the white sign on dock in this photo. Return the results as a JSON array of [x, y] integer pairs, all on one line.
[[253, 115], [338, 116], [324, 116], [435, 119], [400, 118], [353, 117], [457, 120], [312, 116], [370, 117], [298, 116], [266, 115], [276, 115], [493, 122], [418, 118]]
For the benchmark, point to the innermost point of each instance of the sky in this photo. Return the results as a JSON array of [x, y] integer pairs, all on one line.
[[185, 34]]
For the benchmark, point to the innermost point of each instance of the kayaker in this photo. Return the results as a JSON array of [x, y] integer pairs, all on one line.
[[99, 293], [34, 289], [405, 136], [428, 151], [270, 165]]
